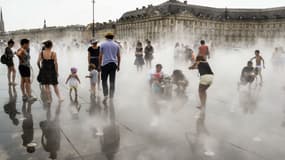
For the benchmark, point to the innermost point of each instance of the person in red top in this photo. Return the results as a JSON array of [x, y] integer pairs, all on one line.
[[204, 50]]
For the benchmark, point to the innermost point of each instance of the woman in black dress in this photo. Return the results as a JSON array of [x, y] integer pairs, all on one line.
[[139, 62], [93, 56], [47, 63]]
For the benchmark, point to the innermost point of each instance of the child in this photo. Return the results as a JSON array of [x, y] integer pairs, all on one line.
[[93, 78], [73, 81], [259, 61]]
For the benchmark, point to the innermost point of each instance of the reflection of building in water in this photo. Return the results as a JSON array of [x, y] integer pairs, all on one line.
[[183, 19], [249, 101]]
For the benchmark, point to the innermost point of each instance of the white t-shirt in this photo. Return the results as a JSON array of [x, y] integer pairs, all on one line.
[[93, 76]]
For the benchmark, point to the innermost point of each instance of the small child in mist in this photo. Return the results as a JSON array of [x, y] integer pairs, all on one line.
[[93, 75], [73, 81]]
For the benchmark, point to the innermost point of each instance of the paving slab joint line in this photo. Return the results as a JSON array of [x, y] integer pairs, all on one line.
[[69, 141]]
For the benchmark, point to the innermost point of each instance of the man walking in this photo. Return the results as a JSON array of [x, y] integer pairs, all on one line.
[[109, 63]]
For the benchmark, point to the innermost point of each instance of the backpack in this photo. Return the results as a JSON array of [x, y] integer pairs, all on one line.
[[4, 59]]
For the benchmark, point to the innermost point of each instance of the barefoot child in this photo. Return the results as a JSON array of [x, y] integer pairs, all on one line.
[[259, 61], [73, 81], [93, 78]]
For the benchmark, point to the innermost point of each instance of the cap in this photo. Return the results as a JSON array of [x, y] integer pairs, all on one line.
[[109, 34]]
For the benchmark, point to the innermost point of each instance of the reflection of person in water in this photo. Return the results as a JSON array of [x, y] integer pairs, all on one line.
[[249, 101], [110, 141], [200, 144], [10, 107], [51, 134], [28, 127], [75, 107]]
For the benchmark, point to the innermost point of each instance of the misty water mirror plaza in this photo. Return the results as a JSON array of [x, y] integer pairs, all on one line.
[[165, 81]]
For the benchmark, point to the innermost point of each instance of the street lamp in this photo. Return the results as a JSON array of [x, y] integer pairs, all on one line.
[[93, 24]]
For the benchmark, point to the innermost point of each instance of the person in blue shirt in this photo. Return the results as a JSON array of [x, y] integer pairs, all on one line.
[[109, 63]]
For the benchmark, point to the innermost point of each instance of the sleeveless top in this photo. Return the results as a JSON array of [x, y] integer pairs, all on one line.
[[48, 72], [94, 53], [25, 59], [48, 63]]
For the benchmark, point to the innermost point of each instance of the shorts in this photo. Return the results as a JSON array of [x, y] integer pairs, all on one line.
[[258, 69], [206, 79], [25, 71]]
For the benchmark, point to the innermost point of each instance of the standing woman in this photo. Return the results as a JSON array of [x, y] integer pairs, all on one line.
[[48, 65], [148, 54], [93, 57], [139, 62], [206, 78], [10, 63]]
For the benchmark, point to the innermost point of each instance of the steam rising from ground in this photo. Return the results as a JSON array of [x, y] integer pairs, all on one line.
[[226, 108]]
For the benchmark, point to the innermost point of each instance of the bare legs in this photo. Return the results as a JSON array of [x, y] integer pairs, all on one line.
[[203, 95], [56, 90], [11, 75], [139, 68], [148, 63], [26, 86]]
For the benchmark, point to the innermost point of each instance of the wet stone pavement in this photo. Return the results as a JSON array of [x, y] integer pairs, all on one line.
[[130, 128]]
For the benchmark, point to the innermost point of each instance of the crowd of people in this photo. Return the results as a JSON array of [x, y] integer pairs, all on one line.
[[104, 61]]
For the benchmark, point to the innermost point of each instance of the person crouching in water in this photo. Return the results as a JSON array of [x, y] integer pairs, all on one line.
[[206, 78], [93, 78], [248, 75], [180, 81], [73, 81]]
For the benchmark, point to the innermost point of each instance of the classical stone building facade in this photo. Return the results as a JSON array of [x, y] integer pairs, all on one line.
[[176, 20]]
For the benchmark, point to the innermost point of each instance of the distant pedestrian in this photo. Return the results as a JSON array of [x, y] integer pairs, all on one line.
[[48, 65], [204, 50], [10, 63], [139, 61], [148, 54], [109, 63], [25, 70]]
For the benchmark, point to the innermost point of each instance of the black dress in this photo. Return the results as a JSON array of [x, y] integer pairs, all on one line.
[[139, 61], [94, 56], [48, 75]]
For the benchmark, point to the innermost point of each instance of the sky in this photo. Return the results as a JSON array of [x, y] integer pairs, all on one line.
[[25, 14]]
